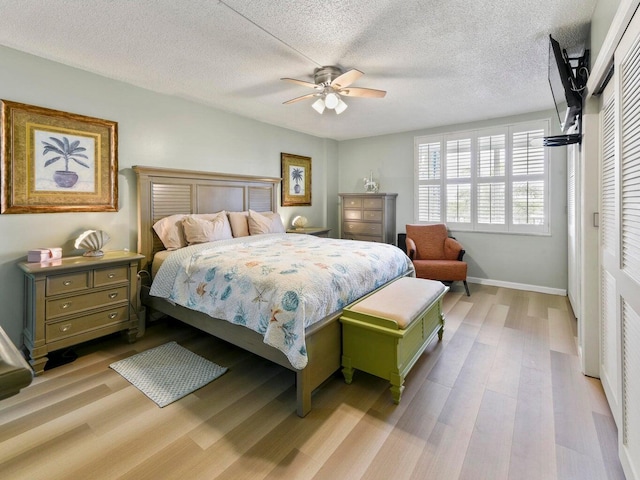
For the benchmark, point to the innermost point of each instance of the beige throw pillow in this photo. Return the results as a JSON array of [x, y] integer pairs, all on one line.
[[239, 225], [266, 222], [169, 230], [206, 228]]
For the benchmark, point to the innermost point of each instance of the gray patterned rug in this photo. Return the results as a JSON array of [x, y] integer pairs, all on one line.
[[168, 372]]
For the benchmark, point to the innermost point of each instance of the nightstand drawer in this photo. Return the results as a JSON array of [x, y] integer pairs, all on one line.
[[78, 303], [363, 228], [109, 276], [69, 282], [68, 328]]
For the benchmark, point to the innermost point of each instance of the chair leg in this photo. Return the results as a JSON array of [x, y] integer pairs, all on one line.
[[466, 287]]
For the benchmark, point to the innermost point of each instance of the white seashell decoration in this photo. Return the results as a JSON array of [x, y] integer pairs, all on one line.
[[299, 222], [92, 241]]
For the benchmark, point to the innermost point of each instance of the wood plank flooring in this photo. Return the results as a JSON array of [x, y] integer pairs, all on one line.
[[502, 397]]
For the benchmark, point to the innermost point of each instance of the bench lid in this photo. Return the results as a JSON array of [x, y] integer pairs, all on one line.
[[401, 301]]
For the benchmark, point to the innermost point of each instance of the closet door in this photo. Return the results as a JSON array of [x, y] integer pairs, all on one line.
[[626, 265], [610, 368]]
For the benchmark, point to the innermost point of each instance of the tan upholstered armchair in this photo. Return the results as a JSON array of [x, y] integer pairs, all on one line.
[[435, 255]]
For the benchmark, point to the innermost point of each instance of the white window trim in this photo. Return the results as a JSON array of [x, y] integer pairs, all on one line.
[[508, 130]]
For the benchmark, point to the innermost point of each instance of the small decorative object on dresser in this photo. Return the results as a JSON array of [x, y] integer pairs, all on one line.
[[370, 186], [369, 216], [299, 222], [93, 241], [78, 299]]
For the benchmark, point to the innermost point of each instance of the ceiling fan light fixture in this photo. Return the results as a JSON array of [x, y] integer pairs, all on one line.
[[318, 105], [331, 100], [341, 107]]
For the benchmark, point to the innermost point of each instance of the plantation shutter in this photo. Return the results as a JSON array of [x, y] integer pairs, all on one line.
[[458, 181], [528, 173], [429, 181], [491, 180]]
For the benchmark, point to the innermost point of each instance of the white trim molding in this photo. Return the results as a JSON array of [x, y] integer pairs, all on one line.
[[518, 286]]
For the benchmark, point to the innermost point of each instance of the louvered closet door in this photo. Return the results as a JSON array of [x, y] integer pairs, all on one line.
[[626, 268], [610, 368]]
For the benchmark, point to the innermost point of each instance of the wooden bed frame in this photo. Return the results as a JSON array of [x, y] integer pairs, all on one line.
[[163, 192]]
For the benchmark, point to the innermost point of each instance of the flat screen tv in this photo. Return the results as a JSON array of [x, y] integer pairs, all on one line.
[[565, 88]]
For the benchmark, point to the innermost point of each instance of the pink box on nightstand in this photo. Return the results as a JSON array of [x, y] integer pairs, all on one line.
[[44, 254]]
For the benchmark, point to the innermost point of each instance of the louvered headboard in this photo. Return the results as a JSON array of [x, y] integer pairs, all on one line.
[[165, 191]]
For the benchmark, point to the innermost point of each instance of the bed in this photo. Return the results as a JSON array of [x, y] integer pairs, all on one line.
[[165, 192]]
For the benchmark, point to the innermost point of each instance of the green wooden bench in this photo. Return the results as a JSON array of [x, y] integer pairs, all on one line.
[[385, 333]]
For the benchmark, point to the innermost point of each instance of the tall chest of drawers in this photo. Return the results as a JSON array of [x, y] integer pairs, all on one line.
[[370, 216], [76, 299]]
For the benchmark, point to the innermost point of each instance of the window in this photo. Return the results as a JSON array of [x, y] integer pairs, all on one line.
[[486, 180]]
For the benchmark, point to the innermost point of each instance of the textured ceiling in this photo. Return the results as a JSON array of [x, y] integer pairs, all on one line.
[[441, 62]]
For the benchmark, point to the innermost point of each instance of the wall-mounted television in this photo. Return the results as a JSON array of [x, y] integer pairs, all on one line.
[[567, 83]]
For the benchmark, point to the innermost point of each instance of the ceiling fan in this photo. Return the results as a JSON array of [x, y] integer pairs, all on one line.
[[331, 84]]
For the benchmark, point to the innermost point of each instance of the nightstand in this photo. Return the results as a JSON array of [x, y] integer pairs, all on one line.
[[75, 299], [317, 231]]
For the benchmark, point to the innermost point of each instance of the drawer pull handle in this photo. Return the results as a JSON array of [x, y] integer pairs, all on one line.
[[66, 283], [65, 328], [65, 305], [111, 275], [113, 295], [113, 315]]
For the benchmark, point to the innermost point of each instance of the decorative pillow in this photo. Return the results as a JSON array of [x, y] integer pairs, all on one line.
[[266, 222], [169, 230], [206, 228], [239, 223]]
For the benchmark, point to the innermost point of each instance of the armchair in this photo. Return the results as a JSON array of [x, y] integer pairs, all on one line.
[[435, 255]]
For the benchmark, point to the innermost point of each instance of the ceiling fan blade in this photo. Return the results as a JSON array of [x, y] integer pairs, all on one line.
[[302, 82], [346, 79], [297, 99], [362, 92]]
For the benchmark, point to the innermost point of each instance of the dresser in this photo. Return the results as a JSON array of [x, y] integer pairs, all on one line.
[[75, 299], [369, 216]]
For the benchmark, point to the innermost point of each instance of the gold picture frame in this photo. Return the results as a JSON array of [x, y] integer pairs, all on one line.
[[296, 180], [36, 140]]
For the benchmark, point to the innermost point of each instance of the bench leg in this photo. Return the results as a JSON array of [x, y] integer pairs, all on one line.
[[441, 331], [347, 370], [397, 386]]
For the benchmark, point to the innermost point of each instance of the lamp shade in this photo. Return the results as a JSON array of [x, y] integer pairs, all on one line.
[[341, 107], [331, 100], [318, 105]]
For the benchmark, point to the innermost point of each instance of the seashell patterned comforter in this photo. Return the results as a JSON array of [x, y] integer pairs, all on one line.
[[277, 284]]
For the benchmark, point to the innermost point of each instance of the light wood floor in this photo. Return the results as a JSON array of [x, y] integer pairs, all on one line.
[[501, 397]]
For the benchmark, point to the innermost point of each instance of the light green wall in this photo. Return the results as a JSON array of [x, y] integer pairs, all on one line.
[[600, 22], [539, 261], [153, 129]]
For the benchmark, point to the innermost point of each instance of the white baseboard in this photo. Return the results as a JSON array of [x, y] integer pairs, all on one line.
[[518, 286]]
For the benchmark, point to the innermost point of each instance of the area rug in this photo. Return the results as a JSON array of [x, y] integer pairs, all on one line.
[[168, 372]]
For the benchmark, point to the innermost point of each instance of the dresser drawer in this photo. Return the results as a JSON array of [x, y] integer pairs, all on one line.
[[352, 202], [68, 328], [363, 228], [372, 215], [69, 282], [364, 238], [353, 214], [372, 203], [109, 276], [78, 303]]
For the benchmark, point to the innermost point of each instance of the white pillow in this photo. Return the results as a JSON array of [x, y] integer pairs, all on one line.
[[266, 222], [169, 230], [206, 228]]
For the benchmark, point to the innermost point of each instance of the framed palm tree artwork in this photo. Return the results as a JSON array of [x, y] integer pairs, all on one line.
[[296, 180], [53, 161]]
